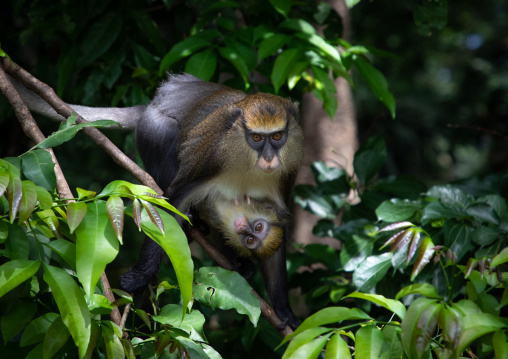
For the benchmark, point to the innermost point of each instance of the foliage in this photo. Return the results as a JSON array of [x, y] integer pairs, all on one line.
[[446, 246], [54, 252]]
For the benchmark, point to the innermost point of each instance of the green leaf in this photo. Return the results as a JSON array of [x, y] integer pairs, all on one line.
[[15, 272], [220, 288], [302, 339], [14, 194], [458, 237], [65, 249], [171, 314], [501, 258], [312, 349], [83, 193], [327, 88], [369, 158], [71, 304], [99, 37], [28, 200], [376, 81], [322, 45], [44, 197], [96, 245], [497, 202], [4, 179], [392, 305], [371, 271], [39, 168], [232, 55], [114, 347], [396, 210], [13, 321], [371, 343], [354, 251], [76, 211], [194, 349], [326, 316], [61, 136], [154, 215], [424, 255], [425, 289], [282, 6], [114, 206], [282, 67], [477, 325], [174, 243], [500, 343], [202, 64], [16, 244], [298, 25], [411, 329], [452, 324], [351, 3], [182, 49], [36, 330], [337, 348], [57, 335], [484, 236], [271, 44], [483, 212]]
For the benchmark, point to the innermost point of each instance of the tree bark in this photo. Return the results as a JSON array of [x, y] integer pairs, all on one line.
[[332, 141]]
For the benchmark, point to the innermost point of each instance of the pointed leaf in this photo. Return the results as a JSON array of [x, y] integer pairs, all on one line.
[[44, 197], [369, 158], [154, 215], [371, 343], [114, 347], [36, 329], [282, 67], [182, 49], [426, 327], [328, 316], [114, 206], [28, 200], [501, 258], [4, 180], [15, 272], [424, 255], [396, 210], [303, 338], [56, 337], [171, 314], [14, 193], [136, 212], [202, 64], [392, 305], [96, 245], [425, 289], [477, 325], [413, 246], [71, 304], [410, 325], [175, 244], [65, 249], [219, 288], [76, 211], [395, 226], [452, 325], [371, 271], [271, 44], [39, 168], [312, 349], [500, 344], [337, 348]]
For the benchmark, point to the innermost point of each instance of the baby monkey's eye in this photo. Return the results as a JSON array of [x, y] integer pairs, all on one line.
[[250, 240], [258, 227]]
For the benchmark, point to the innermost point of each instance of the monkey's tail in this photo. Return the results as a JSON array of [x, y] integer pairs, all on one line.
[[127, 117]]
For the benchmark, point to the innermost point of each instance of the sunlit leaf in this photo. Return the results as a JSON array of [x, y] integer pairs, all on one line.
[[71, 304], [154, 215], [271, 44], [337, 348], [425, 289], [114, 347], [174, 242], [282, 67], [501, 258], [76, 211], [15, 272], [219, 288], [302, 339], [28, 200], [392, 305], [477, 325], [96, 245], [424, 255], [114, 206], [371, 343]]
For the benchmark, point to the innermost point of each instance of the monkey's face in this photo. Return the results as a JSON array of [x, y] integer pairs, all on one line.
[[258, 236], [267, 146]]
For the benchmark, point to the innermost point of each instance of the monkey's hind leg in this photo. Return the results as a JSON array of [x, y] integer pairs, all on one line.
[[147, 266]]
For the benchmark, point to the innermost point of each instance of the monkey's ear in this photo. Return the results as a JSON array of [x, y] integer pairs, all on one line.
[[293, 110]]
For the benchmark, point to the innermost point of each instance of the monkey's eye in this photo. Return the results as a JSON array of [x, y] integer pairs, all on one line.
[[250, 240], [258, 227], [256, 137], [277, 136]]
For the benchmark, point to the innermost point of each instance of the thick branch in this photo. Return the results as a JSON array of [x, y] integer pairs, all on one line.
[[49, 95]]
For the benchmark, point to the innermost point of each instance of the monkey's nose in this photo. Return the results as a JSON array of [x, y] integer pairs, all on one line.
[[241, 225]]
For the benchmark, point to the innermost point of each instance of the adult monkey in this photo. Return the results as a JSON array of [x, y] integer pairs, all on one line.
[[201, 140]]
